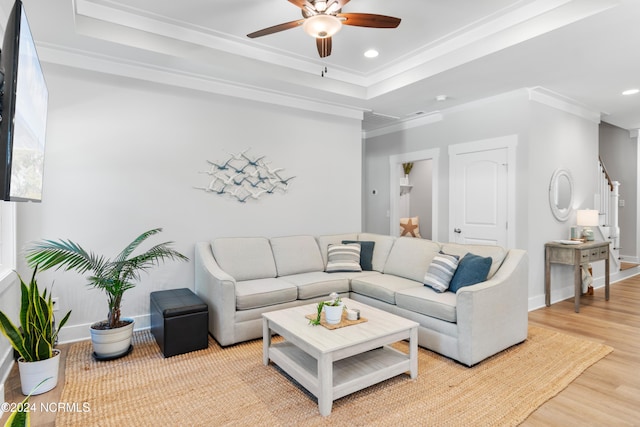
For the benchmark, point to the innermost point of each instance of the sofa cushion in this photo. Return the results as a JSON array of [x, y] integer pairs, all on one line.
[[296, 254], [425, 300], [382, 287], [497, 253], [410, 258], [381, 249], [471, 269], [325, 241], [343, 258], [245, 258], [264, 292], [366, 253], [317, 284], [441, 271]]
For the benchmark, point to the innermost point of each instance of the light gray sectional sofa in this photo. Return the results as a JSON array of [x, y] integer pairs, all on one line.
[[242, 277]]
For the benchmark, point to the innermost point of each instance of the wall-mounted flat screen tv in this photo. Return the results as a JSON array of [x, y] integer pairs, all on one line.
[[24, 99]]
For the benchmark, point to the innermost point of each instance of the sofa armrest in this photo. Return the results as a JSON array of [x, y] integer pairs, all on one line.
[[218, 289], [493, 315]]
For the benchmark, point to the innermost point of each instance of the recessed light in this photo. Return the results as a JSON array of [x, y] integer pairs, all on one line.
[[371, 53], [441, 98], [631, 91]]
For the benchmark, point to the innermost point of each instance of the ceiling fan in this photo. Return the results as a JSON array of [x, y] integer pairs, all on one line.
[[323, 18]]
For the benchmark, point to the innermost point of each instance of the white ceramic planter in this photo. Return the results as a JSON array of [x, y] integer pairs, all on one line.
[[333, 314], [33, 373], [111, 343]]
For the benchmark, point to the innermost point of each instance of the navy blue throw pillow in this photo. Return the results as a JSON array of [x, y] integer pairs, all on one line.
[[471, 269], [366, 253]]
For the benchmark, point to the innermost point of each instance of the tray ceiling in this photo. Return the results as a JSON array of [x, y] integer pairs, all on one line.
[[465, 49]]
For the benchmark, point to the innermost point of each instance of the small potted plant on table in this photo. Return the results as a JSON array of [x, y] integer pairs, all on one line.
[[111, 338], [332, 310], [35, 338]]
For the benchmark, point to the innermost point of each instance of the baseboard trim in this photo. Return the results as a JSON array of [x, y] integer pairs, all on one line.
[[75, 333], [567, 292]]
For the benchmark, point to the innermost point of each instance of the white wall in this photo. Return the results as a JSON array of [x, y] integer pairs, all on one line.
[[122, 157], [557, 140], [548, 138]]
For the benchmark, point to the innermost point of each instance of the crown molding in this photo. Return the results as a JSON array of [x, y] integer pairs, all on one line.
[[515, 23], [423, 120], [559, 102], [537, 94], [508, 27], [103, 19], [142, 71], [437, 116]]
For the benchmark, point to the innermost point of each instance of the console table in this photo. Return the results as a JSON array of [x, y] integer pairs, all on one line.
[[578, 256]]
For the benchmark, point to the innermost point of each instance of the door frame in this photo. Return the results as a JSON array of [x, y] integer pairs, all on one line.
[[510, 142], [395, 166]]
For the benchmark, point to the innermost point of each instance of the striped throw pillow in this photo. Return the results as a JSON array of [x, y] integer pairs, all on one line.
[[441, 271], [343, 258]]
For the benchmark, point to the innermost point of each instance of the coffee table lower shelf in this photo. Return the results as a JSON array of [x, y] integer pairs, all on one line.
[[349, 375]]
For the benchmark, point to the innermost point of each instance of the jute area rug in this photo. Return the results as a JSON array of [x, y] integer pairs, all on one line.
[[231, 386]]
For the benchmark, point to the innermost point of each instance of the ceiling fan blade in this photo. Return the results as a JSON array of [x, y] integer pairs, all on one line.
[[369, 20], [324, 46], [276, 29]]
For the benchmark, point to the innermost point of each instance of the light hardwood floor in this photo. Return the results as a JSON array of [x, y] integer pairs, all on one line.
[[606, 394]]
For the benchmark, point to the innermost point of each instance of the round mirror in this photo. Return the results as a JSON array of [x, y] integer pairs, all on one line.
[[561, 194]]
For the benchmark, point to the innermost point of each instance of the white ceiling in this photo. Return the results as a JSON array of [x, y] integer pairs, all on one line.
[[585, 50]]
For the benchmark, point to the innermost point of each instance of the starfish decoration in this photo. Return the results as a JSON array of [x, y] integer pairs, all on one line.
[[408, 228]]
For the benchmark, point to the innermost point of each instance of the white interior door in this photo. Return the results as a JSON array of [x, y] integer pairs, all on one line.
[[479, 197]]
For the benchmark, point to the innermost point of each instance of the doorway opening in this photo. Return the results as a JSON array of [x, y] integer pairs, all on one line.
[[415, 195]]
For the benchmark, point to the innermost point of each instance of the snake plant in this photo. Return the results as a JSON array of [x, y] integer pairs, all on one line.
[[35, 338]]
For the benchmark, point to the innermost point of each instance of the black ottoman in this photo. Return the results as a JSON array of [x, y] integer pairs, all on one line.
[[179, 321]]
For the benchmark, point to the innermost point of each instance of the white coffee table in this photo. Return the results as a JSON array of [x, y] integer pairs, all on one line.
[[334, 363]]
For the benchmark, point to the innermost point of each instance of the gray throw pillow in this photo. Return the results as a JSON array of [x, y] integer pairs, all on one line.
[[440, 272]]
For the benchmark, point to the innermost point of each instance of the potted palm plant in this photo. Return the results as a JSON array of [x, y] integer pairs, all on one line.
[[111, 338], [35, 338]]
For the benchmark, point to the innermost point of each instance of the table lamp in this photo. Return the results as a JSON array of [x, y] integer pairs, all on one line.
[[587, 218]]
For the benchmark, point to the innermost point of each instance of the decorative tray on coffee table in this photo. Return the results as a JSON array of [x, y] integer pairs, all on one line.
[[343, 322]]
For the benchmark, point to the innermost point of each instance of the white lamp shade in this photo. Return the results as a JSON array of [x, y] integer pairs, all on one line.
[[587, 218], [322, 26]]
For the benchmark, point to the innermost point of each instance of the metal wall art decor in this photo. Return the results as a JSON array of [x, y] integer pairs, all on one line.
[[243, 177]]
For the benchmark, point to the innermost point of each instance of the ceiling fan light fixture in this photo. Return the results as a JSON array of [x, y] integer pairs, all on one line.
[[322, 26]]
